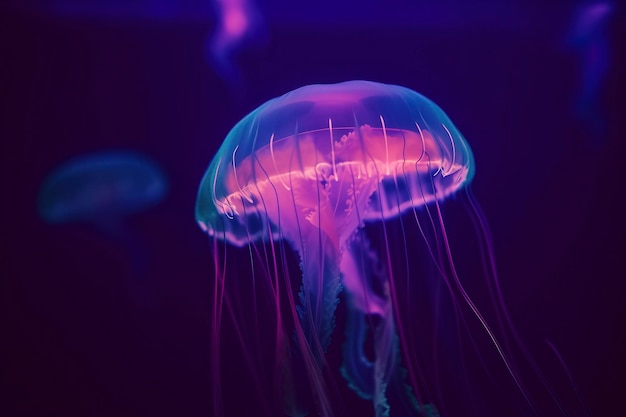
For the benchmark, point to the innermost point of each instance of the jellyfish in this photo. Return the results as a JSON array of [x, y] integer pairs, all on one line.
[[102, 190], [338, 180], [239, 24], [589, 38]]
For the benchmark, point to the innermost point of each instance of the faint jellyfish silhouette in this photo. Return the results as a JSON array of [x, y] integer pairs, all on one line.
[[589, 39], [351, 176], [102, 190], [239, 24]]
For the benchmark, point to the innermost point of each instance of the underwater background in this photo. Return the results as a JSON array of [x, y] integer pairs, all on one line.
[[86, 330]]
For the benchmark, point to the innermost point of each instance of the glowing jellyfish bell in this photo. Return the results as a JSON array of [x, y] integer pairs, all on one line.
[[350, 145], [311, 169]]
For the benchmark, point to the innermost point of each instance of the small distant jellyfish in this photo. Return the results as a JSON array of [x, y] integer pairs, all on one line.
[[342, 180], [590, 40], [239, 24], [102, 190]]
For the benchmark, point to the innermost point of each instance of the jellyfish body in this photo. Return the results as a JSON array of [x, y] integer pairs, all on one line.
[[102, 190], [313, 168], [101, 187], [239, 23], [589, 38]]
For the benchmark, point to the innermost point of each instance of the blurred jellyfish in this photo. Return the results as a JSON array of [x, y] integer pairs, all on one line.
[[239, 24], [102, 190], [350, 178], [588, 37]]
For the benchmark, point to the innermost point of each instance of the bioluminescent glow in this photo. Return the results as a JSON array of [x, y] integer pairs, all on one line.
[[239, 22], [590, 39], [351, 181], [102, 190]]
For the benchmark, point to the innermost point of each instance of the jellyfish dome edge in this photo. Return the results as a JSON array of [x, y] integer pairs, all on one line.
[[329, 133]]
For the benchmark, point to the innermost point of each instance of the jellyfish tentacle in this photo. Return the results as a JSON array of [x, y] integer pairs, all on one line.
[[405, 397]]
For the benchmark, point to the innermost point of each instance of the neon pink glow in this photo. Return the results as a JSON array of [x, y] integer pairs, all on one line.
[[353, 167], [239, 22], [234, 21], [351, 182]]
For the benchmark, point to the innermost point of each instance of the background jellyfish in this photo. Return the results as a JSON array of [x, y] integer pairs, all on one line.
[[102, 190], [78, 347], [239, 23], [589, 38], [346, 175]]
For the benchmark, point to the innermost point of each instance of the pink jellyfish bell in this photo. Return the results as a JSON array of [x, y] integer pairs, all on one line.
[[305, 174], [311, 168]]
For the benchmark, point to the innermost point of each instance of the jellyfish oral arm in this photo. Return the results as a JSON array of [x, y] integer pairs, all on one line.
[[367, 295], [318, 296]]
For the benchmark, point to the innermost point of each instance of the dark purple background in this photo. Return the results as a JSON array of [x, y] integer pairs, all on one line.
[[76, 342]]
